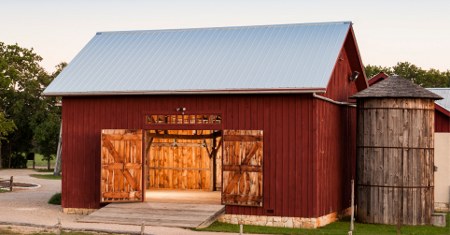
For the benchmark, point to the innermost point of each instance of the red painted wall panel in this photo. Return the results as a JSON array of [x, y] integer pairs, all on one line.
[[291, 163], [441, 122], [285, 119], [336, 137], [335, 156], [340, 88]]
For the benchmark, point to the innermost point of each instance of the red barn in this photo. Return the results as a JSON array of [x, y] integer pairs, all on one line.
[[260, 114]]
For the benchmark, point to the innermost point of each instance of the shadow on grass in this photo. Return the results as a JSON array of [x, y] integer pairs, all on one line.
[[46, 176]]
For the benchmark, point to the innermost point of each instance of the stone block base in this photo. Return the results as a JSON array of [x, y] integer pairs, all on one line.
[[441, 207], [279, 221], [78, 211], [438, 219], [346, 212]]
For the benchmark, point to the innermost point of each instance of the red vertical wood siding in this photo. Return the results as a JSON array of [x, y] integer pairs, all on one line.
[[340, 88], [354, 60], [441, 121], [285, 119], [335, 156], [303, 175], [336, 137]]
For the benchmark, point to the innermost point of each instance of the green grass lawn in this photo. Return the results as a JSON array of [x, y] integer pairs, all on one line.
[[44, 170], [40, 163], [336, 228], [46, 176]]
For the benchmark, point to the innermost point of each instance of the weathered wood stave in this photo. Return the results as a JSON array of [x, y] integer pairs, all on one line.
[[395, 160]]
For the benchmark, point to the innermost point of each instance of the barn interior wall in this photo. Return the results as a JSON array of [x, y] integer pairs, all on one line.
[[285, 119], [180, 163]]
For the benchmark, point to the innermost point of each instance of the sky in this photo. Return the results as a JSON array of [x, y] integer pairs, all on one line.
[[387, 31]]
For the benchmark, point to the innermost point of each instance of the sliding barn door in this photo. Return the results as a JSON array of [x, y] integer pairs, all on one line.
[[121, 166], [242, 167]]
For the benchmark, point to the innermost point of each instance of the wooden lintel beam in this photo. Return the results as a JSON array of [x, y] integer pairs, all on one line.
[[243, 138], [242, 168], [183, 137], [177, 144]]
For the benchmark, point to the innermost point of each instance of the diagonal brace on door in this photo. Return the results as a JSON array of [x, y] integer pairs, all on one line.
[[116, 156], [238, 175]]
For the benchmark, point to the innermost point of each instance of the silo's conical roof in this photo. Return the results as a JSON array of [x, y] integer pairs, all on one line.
[[396, 87]]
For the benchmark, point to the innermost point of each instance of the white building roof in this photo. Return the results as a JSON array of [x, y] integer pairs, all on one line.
[[247, 59], [445, 94]]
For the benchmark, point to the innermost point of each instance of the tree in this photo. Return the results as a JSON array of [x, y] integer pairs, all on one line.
[[425, 78], [6, 127], [22, 82], [46, 124], [46, 132], [372, 70]]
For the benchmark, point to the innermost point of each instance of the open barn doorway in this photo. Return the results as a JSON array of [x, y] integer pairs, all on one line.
[[183, 166]]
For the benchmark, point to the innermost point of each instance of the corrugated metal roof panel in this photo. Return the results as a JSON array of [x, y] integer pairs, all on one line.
[[273, 58], [445, 94]]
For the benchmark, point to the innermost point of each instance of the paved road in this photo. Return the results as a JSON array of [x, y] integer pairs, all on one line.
[[29, 207]]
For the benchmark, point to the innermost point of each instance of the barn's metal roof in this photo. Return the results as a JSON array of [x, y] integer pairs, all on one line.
[[246, 59], [445, 94], [396, 87]]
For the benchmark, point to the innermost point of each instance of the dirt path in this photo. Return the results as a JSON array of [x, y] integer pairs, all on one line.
[[29, 207]]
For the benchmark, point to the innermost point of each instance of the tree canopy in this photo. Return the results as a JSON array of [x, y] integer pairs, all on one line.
[[425, 78], [35, 118]]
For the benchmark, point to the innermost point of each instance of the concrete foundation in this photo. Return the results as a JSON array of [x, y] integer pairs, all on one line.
[[438, 219], [279, 221], [78, 211], [441, 207]]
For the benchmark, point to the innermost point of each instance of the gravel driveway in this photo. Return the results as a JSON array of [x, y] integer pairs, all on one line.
[[29, 207]]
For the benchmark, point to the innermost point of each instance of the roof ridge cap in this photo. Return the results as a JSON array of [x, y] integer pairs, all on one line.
[[225, 27]]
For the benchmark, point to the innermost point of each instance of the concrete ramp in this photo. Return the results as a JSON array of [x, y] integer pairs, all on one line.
[[157, 214]]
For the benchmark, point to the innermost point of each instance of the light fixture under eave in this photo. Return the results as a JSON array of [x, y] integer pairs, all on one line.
[[353, 76]]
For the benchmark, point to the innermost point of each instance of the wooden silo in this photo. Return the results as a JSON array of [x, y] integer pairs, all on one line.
[[395, 153]]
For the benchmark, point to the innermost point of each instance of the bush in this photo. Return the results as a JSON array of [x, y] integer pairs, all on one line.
[[55, 199], [17, 161]]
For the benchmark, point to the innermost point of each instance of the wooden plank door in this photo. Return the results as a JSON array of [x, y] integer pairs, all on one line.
[[242, 167], [121, 166]]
